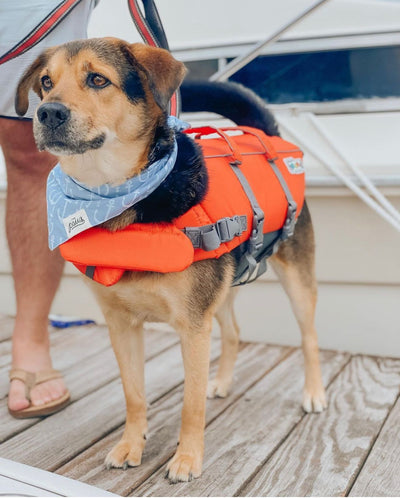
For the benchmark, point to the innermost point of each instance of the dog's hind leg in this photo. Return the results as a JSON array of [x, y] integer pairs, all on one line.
[[220, 385], [295, 267], [127, 341]]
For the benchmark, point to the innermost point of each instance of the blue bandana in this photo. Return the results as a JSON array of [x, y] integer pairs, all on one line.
[[73, 207]]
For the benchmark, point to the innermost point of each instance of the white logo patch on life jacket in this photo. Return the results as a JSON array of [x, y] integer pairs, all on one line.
[[294, 165], [76, 223]]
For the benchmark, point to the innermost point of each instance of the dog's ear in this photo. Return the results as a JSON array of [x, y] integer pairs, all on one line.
[[164, 72], [30, 79]]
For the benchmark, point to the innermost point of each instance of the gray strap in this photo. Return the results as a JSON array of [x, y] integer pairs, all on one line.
[[90, 271], [251, 266], [288, 227], [256, 237], [262, 268], [210, 237]]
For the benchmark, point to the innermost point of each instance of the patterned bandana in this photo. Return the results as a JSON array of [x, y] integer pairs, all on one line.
[[73, 207]]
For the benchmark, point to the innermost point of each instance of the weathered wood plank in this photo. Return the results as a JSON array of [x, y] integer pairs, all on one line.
[[85, 376], [380, 475], [90, 418], [323, 454], [248, 432], [253, 362]]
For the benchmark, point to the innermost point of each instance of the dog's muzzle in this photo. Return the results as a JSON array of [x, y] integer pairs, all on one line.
[[53, 114], [58, 131]]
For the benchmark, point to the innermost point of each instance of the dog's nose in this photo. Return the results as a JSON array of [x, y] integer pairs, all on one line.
[[52, 114]]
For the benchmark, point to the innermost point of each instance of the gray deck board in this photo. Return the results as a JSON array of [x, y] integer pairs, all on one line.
[[84, 377], [323, 454], [246, 433], [258, 440], [254, 361], [91, 417], [380, 476]]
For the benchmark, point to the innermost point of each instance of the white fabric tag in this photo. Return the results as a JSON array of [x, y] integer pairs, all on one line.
[[76, 223], [294, 165]]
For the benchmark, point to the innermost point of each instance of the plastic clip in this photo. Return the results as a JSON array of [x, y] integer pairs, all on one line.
[[257, 235], [288, 227]]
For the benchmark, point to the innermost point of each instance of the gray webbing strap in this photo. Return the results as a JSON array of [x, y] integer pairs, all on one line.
[[256, 239], [288, 227], [210, 237], [262, 268], [90, 271]]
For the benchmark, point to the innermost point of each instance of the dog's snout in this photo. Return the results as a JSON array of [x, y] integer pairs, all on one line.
[[52, 114]]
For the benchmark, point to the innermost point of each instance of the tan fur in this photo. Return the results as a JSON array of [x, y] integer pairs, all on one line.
[[141, 297], [219, 387], [165, 73], [128, 129], [186, 300], [125, 151]]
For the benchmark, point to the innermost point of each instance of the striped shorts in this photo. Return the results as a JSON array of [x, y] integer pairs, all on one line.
[[19, 18]]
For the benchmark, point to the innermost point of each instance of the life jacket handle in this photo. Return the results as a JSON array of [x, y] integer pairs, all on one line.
[[267, 149], [210, 130]]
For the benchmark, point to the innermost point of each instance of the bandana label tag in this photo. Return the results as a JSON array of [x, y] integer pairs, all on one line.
[[76, 223]]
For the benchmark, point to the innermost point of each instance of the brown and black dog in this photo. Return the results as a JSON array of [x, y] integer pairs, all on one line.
[[106, 101]]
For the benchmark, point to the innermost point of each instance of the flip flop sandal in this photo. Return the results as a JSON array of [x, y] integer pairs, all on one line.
[[31, 380]]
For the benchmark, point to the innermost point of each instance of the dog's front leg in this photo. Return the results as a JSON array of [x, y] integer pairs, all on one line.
[[127, 342], [187, 461]]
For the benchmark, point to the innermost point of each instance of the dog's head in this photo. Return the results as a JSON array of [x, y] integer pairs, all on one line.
[[97, 91]]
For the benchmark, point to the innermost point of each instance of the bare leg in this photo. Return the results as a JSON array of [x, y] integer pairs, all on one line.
[[36, 270], [188, 459], [219, 387], [127, 342]]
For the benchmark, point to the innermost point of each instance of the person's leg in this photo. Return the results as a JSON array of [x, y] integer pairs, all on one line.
[[36, 269]]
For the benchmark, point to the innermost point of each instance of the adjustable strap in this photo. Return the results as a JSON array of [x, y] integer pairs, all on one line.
[[89, 272], [255, 241], [32, 379], [288, 227], [210, 237]]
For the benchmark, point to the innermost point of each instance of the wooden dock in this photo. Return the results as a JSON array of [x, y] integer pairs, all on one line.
[[259, 442]]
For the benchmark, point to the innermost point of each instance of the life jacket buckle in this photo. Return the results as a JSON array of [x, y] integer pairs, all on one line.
[[210, 237], [257, 235], [229, 228], [288, 227]]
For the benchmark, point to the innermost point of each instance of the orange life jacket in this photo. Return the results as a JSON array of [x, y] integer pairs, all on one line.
[[227, 217]]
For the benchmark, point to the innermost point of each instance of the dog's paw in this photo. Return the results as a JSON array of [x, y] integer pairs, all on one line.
[[183, 467], [125, 454], [217, 389], [314, 400]]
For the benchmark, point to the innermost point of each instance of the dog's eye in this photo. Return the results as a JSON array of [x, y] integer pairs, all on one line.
[[47, 84], [95, 80]]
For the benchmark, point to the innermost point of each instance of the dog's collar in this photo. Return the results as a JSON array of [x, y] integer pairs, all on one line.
[[73, 207]]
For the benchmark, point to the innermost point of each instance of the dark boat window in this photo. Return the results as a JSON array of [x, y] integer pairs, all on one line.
[[324, 76]]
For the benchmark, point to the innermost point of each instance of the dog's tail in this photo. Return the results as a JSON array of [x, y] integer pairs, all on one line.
[[231, 100]]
